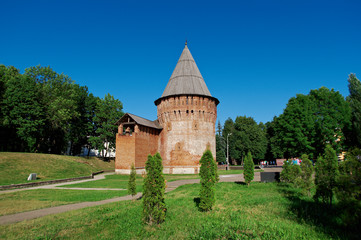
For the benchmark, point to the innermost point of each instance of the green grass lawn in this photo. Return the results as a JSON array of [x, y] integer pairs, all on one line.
[[43, 198], [261, 211], [16, 167]]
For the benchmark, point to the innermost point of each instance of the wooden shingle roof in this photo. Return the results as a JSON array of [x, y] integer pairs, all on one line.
[[186, 79]]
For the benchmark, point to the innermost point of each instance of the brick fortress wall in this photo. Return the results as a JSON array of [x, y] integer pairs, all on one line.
[[134, 148], [188, 130]]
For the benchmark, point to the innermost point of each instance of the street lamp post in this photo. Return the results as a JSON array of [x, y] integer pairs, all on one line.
[[227, 168]]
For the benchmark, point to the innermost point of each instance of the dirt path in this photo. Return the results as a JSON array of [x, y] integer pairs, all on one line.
[[64, 208]]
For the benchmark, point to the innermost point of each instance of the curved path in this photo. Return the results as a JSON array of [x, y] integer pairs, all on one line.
[[7, 219]]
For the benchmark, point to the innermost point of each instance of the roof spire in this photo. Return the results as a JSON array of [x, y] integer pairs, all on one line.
[[186, 42]]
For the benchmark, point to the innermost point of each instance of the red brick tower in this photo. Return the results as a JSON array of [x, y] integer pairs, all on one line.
[[187, 113]]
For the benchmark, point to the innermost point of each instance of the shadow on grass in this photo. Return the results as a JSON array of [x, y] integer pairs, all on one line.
[[197, 200], [240, 183], [329, 220]]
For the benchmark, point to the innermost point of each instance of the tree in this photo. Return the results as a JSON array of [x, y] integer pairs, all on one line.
[[107, 113], [208, 174], [154, 208], [131, 184], [354, 99], [349, 179], [306, 174], [246, 136], [309, 123], [220, 145], [348, 189], [294, 128], [228, 128], [23, 111], [326, 175], [332, 115], [248, 168], [57, 96]]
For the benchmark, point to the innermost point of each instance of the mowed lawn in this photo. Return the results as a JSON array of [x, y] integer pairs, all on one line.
[[261, 211], [16, 167], [28, 200]]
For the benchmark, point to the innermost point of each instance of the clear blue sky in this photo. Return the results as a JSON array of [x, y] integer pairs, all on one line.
[[253, 55]]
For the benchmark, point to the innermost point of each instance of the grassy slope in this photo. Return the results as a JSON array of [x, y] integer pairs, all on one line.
[[16, 167], [262, 211]]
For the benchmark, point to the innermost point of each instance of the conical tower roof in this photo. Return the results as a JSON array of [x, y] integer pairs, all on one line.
[[186, 79]]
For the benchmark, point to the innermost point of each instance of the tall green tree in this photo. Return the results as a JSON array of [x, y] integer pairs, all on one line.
[[332, 115], [154, 208], [228, 130], [57, 93], [248, 168], [309, 123], [220, 145], [23, 111], [294, 128], [354, 99], [208, 174], [108, 112], [248, 136], [326, 175]]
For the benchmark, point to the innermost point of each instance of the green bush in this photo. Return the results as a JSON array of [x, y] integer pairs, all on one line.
[[290, 172], [131, 184], [326, 175], [248, 168], [154, 208], [305, 180], [208, 174], [348, 189]]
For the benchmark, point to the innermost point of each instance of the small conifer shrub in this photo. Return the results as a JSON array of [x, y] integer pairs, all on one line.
[[154, 208], [208, 174], [248, 168], [306, 174], [326, 175], [131, 184], [286, 171]]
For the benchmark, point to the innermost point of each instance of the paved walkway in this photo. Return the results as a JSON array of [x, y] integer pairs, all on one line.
[[64, 208], [58, 185]]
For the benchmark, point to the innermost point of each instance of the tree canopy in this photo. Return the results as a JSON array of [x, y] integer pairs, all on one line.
[[247, 136], [43, 111], [309, 123]]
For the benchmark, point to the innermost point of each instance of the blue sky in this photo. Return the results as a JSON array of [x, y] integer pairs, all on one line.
[[253, 55]]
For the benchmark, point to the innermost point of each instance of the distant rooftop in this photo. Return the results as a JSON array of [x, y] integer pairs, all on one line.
[[141, 121]]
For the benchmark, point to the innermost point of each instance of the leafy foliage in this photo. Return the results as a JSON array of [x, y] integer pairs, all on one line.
[[131, 184], [246, 136], [326, 175], [208, 174], [290, 172], [354, 99], [306, 174], [309, 122], [154, 208], [220, 145], [43, 111], [107, 113], [248, 168], [349, 180]]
